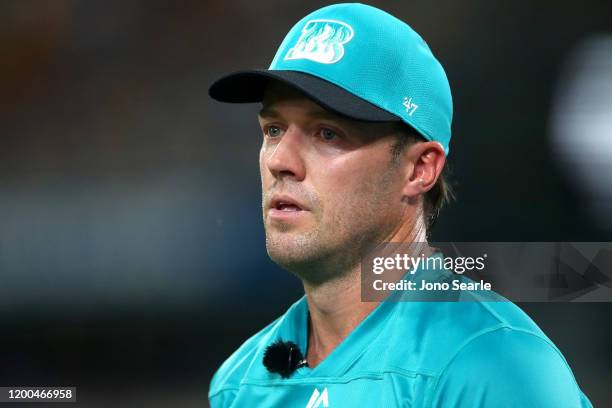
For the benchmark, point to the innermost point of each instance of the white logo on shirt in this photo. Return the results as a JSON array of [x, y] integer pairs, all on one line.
[[318, 399]]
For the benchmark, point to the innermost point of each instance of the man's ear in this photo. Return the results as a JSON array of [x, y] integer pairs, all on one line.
[[426, 163]]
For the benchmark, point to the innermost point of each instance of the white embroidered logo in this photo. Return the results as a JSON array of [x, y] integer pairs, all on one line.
[[410, 107], [318, 399], [321, 41]]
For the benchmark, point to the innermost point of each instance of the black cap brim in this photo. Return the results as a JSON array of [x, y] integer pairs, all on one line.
[[249, 87]]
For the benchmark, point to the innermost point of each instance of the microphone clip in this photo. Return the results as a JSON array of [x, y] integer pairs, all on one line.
[[284, 358]]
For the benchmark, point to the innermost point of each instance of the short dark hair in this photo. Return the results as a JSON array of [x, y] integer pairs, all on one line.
[[442, 193]]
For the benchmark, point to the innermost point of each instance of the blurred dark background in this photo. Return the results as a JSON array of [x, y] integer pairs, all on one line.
[[132, 257]]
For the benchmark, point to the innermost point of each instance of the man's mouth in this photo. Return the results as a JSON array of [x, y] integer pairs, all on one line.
[[285, 207], [283, 202], [281, 206]]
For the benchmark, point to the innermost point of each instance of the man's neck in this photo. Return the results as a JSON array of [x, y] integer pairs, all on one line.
[[336, 308]]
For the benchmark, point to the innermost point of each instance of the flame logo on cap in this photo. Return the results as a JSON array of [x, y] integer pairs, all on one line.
[[321, 41]]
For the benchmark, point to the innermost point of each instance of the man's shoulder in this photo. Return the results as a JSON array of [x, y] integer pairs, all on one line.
[[473, 349], [508, 364], [235, 368], [431, 333]]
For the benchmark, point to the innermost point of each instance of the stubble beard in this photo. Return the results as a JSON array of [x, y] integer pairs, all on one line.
[[335, 246]]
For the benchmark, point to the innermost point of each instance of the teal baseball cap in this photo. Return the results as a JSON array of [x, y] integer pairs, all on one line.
[[360, 62]]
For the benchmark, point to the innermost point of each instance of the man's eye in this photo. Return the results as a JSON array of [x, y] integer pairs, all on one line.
[[328, 134], [274, 131]]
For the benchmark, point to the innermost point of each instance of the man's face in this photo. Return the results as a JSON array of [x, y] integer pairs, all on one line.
[[330, 186]]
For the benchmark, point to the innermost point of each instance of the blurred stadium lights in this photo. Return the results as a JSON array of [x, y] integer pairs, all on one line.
[[581, 125]]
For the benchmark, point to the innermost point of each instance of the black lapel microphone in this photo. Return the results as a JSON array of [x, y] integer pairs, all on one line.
[[283, 357]]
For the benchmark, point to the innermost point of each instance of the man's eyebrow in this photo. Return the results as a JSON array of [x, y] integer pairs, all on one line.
[[268, 113]]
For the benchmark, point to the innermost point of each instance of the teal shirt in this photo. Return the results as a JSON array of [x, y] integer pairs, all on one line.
[[467, 354]]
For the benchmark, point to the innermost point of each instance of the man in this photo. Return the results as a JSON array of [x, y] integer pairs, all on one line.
[[356, 115]]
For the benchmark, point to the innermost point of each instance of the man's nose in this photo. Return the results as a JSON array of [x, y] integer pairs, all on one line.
[[286, 158]]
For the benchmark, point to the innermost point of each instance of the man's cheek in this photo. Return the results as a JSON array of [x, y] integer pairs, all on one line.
[[339, 174], [265, 174], [263, 156]]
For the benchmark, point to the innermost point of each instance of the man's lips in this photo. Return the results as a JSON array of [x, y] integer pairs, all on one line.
[[282, 202], [285, 207]]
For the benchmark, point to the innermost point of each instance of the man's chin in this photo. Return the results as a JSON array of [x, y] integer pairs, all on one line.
[[289, 249], [302, 257]]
